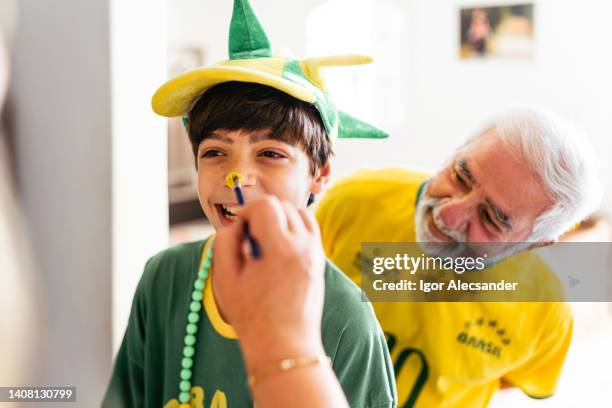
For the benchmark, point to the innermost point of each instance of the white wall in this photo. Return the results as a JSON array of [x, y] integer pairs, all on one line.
[[570, 75], [380, 93], [139, 152], [205, 23], [446, 99], [441, 99]]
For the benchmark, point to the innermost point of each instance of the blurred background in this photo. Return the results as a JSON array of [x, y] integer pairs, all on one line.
[[93, 183]]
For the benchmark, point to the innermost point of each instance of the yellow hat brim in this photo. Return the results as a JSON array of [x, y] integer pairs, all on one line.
[[175, 97]]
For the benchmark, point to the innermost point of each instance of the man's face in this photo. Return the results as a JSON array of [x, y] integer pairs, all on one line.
[[483, 195], [268, 166]]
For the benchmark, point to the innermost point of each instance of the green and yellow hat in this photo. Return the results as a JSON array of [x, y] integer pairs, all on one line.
[[251, 60]]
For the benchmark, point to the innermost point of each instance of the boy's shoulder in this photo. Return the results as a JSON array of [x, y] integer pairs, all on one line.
[[355, 342], [338, 287], [371, 182], [344, 308], [172, 266], [345, 305], [180, 254]]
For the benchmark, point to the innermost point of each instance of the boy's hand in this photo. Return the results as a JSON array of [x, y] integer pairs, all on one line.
[[274, 302]]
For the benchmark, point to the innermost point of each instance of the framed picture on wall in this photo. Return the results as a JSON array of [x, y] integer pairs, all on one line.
[[502, 32]]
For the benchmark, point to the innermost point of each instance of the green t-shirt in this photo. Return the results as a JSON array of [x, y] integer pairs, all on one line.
[[146, 372]]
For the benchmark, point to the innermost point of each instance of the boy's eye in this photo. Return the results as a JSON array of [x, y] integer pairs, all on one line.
[[211, 153], [271, 154]]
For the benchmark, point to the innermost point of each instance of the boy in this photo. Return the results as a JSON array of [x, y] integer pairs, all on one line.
[[270, 120]]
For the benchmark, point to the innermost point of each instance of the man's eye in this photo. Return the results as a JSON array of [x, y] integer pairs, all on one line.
[[212, 153], [487, 218], [272, 154], [460, 179]]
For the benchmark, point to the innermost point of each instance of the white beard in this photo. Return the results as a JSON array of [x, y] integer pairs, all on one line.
[[430, 243]]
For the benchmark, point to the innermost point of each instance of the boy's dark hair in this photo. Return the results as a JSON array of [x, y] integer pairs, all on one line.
[[254, 107]]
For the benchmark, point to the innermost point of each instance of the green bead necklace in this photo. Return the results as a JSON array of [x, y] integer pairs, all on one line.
[[193, 317]]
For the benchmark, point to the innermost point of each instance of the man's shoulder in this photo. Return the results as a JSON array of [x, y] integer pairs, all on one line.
[[538, 279], [375, 181], [390, 174], [351, 201]]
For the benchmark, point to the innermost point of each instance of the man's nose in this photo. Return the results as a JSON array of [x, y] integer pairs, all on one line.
[[456, 212]]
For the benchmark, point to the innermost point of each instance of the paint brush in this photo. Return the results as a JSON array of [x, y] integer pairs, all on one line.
[[233, 180]]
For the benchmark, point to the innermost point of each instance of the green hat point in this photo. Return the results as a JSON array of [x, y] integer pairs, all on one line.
[[251, 60], [352, 128], [247, 38]]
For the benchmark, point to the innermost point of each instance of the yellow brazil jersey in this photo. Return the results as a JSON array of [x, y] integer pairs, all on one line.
[[446, 354]]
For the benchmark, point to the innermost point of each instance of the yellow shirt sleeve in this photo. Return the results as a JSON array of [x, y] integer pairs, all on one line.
[[537, 376], [364, 204], [335, 211], [324, 214]]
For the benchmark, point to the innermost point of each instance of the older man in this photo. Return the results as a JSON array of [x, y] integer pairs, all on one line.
[[520, 183]]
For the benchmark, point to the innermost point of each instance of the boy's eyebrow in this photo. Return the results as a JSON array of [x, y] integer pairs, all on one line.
[[254, 137], [268, 134], [220, 137]]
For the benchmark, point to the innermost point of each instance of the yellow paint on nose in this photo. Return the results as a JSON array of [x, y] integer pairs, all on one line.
[[233, 179]]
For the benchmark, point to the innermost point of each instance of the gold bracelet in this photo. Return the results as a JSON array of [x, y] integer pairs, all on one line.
[[285, 365]]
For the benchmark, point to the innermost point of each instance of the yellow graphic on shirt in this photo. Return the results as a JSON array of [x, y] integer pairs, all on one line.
[[197, 400]]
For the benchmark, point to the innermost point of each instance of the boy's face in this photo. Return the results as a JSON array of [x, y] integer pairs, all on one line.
[[268, 166]]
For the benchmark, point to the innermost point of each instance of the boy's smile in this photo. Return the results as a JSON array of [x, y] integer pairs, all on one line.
[[227, 212], [268, 165]]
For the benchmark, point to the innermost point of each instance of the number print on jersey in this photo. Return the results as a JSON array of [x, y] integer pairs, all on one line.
[[399, 364]]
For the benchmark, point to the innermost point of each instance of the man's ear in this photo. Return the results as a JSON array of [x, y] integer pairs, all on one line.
[[321, 178], [541, 244]]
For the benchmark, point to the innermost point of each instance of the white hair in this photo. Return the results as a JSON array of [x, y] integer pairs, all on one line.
[[557, 152]]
